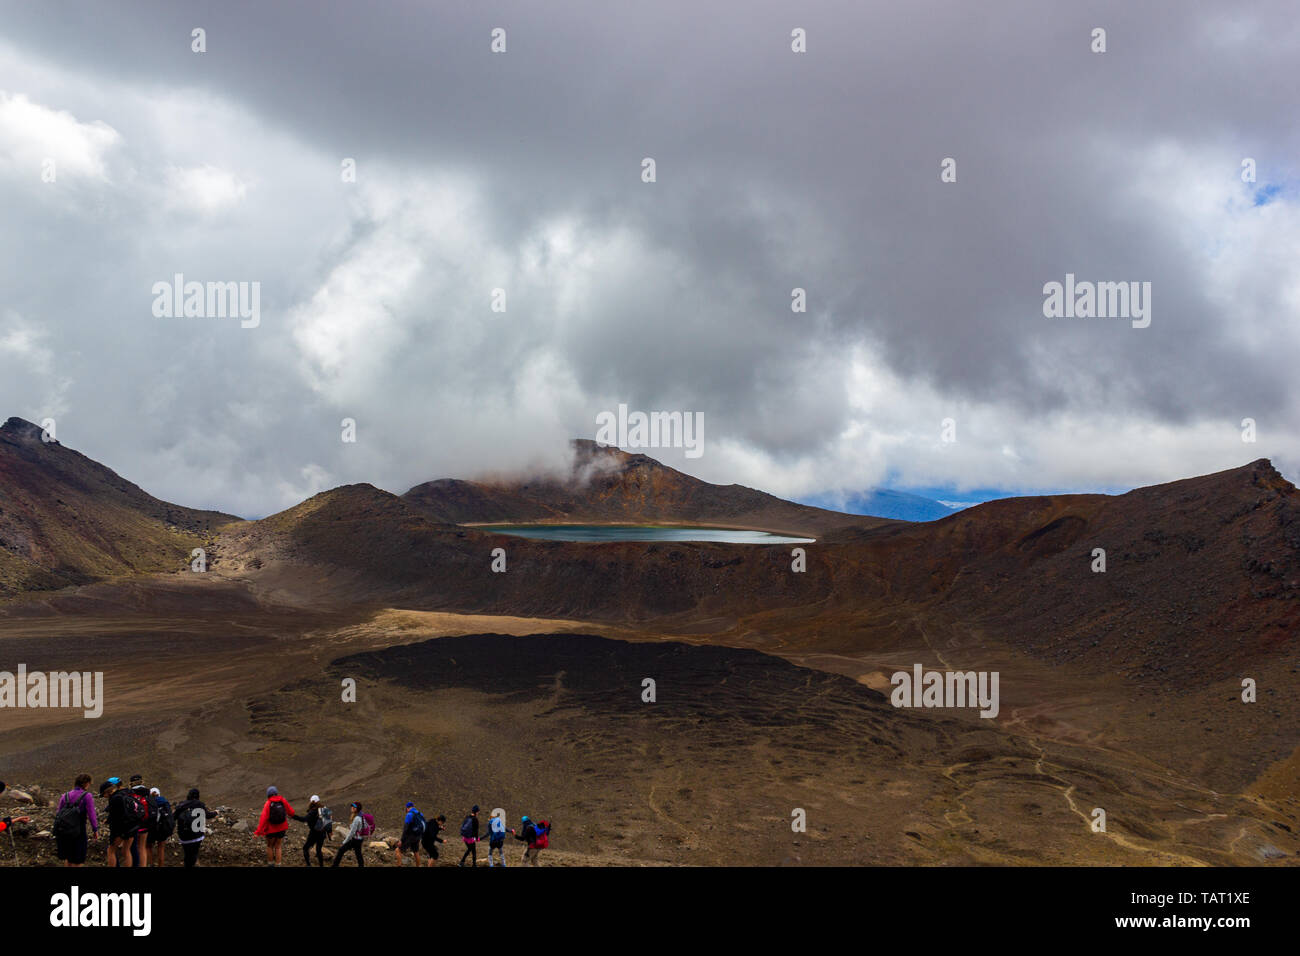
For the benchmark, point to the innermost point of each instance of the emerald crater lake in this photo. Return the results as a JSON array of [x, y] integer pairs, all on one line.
[[618, 532]]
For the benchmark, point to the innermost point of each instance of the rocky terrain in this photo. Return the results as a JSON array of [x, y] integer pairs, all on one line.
[[1121, 689], [231, 841]]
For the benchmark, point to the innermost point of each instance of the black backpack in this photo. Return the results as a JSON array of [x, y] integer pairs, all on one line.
[[416, 828], [275, 815], [164, 823], [188, 820], [69, 821], [135, 810], [467, 828]]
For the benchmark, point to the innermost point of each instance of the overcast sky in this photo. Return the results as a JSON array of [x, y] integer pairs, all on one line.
[[522, 170]]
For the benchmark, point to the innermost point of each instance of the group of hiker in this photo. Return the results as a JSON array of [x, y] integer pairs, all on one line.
[[417, 833], [141, 821]]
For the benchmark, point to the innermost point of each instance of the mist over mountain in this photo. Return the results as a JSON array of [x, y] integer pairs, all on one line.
[[608, 485]]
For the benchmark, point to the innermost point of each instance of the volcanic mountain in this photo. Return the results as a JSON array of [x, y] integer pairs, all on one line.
[[1159, 579], [1209, 565], [610, 486], [65, 519], [358, 545], [1122, 684]]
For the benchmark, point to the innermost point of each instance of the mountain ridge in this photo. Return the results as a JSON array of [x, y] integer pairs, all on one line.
[[1198, 557], [1120, 688], [66, 519]]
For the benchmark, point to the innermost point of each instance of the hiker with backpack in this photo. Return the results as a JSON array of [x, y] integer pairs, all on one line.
[[127, 814], [74, 810], [542, 842], [162, 823], [320, 826], [536, 835], [430, 840], [497, 838], [355, 834], [368, 825], [140, 848], [192, 825], [469, 833], [413, 827], [274, 824]]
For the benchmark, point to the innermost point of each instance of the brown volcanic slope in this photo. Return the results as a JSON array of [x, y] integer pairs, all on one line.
[[610, 486], [65, 519], [1120, 690], [1201, 589], [1202, 573]]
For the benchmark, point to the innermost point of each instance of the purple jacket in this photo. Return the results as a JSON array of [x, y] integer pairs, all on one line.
[[76, 795]]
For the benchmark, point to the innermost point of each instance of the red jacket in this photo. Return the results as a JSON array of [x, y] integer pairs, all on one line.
[[268, 829]]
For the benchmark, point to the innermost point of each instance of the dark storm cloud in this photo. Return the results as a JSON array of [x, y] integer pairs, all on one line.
[[775, 170]]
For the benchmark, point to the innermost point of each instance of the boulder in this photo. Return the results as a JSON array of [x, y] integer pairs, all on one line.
[[19, 796]]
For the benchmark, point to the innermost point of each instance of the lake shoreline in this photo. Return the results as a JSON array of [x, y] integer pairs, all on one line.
[[597, 532]]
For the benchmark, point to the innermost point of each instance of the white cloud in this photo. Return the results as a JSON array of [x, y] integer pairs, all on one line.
[[312, 480], [22, 339], [376, 293], [203, 189], [31, 134], [31, 363]]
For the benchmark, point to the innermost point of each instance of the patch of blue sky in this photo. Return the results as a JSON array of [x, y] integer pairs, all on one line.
[[1265, 193]]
